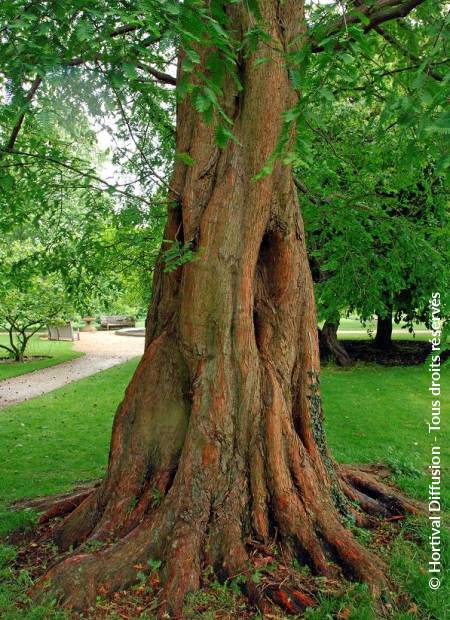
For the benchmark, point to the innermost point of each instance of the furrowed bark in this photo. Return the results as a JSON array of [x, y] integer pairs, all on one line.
[[219, 439]]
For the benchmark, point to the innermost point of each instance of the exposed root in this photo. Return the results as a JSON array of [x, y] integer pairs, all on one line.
[[78, 524], [356, 561], [290, 600], [193, 528], [185, 535], [57, 505], [78, 579], [181, 571], [376, 497], [185, 550]]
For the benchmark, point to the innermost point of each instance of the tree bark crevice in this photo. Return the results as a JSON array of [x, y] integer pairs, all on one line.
[[219, 439]]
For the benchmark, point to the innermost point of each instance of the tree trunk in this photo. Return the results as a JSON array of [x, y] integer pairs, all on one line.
[[23, 342], [330, 347], [219, 438], [383, 337], [13, 349]]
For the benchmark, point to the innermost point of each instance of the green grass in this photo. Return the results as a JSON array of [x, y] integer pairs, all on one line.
[[57, 353], [373, 414], [355, 323], [363, 335], [49, 442], [377, 414]]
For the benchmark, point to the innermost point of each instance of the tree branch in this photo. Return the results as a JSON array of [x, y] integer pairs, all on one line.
[[387, 36], [17, 127], [2, 346], [135, 142], [382, 11], [125, 29], [88, 175], [166, 78]]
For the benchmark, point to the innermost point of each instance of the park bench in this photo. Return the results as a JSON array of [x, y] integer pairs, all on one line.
[[116, 322], [63, 331]]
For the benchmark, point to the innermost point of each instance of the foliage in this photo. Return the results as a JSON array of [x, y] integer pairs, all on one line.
[[26, 307], [375, 208], [56, 229], [376, 220], [178, 254], [372, 96]]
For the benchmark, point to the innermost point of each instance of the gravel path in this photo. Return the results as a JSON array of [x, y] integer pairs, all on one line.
[[102, 350]]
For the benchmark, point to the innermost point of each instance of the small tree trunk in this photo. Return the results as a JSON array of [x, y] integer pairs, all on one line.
[[219, 439], [17, 353], [383, 337], [330, 347], [14, 349], [23, 343]]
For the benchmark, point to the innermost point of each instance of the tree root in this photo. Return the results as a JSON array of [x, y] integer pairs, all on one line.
[[78, 579], [291, 601], [181, 545], [57, 505], [185, 542], [361, 484]]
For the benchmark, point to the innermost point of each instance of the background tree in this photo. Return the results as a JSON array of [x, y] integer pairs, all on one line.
[[375, 210], [55, 223], [222, 420], [26, 306], [382, 254]]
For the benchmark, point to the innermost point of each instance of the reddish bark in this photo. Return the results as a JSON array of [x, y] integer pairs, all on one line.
[[219, 438]]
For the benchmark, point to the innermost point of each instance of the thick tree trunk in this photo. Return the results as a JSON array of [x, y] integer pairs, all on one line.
[[383, 337], [219, 438], [330, 347]]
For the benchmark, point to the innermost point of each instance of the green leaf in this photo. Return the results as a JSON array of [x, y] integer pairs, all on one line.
[[201, 102], [441, 124], [361, 16], [185, 158], [223, 134], [326, 94]]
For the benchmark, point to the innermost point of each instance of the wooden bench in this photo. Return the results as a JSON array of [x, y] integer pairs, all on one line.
[[116, 322], [64, 331]]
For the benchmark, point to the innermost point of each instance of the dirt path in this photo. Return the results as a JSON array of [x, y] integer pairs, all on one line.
[[102, 350]]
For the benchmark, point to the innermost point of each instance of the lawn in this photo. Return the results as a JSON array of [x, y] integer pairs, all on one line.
[[49, 442], [377, 414], [373, 414], [53, 352], [354, 324]]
